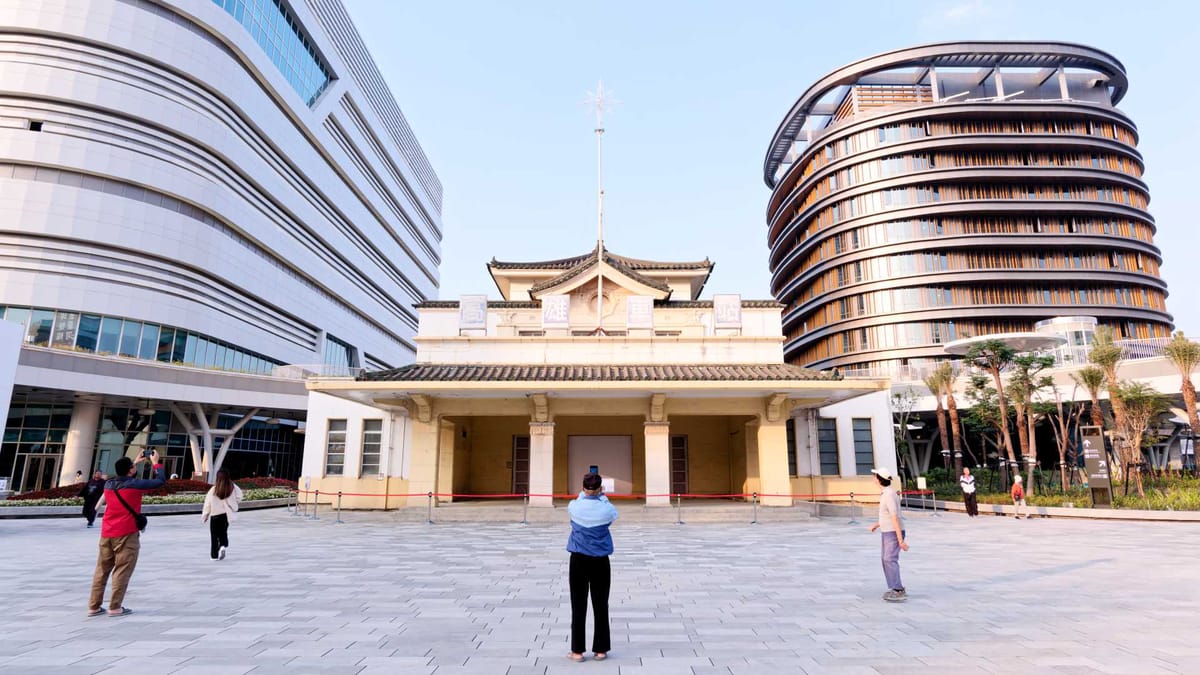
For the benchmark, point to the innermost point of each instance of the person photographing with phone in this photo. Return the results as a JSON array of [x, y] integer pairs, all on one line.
[[590, 545], [120, 531]]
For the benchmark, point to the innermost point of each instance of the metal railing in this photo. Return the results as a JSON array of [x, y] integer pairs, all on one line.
[[305, 371]]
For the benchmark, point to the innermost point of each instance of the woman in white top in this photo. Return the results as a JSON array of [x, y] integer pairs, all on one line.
[[967, 481], [220, 509]]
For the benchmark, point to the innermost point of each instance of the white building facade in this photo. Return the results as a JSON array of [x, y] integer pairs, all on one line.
[[194, 193]]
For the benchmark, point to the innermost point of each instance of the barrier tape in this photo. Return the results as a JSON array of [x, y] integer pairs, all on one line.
[[520, 495]]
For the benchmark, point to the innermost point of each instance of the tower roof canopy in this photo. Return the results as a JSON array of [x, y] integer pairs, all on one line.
[[649, 276]]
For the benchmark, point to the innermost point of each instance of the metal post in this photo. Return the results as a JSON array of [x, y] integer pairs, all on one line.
[[853, 508], [316, 496], [294, 503], [754, 497], [429, 509], [678, 509], [304, 511], [934, 495], [525, 510], [339, 509]]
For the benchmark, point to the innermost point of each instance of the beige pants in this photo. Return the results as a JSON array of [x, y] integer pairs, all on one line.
[[118, 556], [1018, 507]]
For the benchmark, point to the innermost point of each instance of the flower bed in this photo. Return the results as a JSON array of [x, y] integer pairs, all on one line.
[[172, 487], [252, 494]]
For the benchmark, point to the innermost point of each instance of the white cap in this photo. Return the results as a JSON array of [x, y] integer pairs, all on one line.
[[1017, 478], [883, 473]]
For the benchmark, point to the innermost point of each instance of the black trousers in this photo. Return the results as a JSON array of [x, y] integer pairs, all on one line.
[[972, 505], [218, 530], [589, 573], [89, 509]]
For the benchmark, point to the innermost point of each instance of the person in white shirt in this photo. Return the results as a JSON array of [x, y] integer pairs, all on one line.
[[891, 525], [967, 481], [220, 509]]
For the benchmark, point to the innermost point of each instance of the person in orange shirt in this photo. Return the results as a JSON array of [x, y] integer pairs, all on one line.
[[1018, 497]]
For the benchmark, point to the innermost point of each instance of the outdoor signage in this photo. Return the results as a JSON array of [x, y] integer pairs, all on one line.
[[556, 311], [727, 310], [639, 311], [1095, 462], [472, 312]]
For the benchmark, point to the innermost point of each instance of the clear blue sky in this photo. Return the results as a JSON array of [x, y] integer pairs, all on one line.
[[494, 93]]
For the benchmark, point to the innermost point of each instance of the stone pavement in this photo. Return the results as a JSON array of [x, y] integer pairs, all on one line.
[[376, 595]]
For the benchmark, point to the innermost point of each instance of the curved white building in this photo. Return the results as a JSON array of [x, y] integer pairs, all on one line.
[[194, 192]]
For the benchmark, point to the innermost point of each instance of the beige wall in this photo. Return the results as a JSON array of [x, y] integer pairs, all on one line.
[[490, 470]]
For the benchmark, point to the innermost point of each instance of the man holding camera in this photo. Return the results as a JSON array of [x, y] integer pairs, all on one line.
[[119, 532]]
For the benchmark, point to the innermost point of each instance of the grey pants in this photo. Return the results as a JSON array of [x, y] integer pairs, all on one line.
[[891, 560]]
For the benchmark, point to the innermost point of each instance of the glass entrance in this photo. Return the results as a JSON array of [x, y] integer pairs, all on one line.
[[40, 472]]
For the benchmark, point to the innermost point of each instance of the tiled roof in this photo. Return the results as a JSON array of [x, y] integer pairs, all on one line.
[[433, 372], [492, 304], [589, 264], [527, 304], [609, 256]]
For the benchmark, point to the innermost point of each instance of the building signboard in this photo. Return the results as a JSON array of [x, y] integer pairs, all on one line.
[[556, 311], [472, 312], [639, 311], [1095, 462], [727, 310]]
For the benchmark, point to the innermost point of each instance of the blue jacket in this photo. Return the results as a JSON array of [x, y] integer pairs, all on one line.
[[590, 518]]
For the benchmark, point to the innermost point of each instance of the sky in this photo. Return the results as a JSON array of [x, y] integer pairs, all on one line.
[[495, 94]]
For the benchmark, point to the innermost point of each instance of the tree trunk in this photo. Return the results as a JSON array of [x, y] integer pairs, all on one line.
[[1097, 414], [941, 421], [1189, 402], [1008, 446], [1023, 440], [955, 431], [1031, 458]]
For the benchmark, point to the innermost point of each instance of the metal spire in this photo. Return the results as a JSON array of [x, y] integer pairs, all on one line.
[[602, 102]]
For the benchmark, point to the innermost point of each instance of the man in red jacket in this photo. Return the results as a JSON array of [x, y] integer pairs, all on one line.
[[119, 536]]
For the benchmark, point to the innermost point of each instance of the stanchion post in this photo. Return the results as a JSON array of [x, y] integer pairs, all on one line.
[[525, 510], [678, 509], [338, 521], [291, 496], [429, 509], [754, 500], [933, 493], [316, 497], [853, 508]]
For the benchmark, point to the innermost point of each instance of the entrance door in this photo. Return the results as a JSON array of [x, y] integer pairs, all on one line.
[[520, 465], [611, 455], [679, 468], [41, 472]]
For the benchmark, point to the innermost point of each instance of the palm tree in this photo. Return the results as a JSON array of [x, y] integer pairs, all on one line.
[[949, 375], [1185, 354], [1142, 404], [1092, 379], [1106, 354], [1024, 385], [993, 356], [936, 382]]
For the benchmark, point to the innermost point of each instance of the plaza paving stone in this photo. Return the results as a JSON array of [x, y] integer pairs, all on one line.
[[381, 595]]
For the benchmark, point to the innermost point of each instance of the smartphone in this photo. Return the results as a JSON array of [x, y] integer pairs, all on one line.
[[147, 453]]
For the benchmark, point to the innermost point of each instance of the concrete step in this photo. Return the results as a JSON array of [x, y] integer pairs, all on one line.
[[731, 512]]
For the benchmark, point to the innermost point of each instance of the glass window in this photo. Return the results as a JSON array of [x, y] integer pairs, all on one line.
[[864, 447], [189, 352], [149, 348], [177, 354], [216, 357], [41, 322], [230, 354], [89, 332], [276, 30], [17, 315], [827, 446], [66, 325], [110, 336], [166, 339], [130, 337], [335, 448], [372, 442]]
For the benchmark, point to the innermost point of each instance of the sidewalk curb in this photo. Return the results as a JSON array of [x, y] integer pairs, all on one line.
[[16, 512], [1083, 512]]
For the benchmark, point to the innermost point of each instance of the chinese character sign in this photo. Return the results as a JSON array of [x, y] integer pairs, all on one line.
[[639, 311], [556, 311], [727, 311], [472, 312]]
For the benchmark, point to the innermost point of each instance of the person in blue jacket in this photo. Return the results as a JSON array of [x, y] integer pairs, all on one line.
[[590, 545]]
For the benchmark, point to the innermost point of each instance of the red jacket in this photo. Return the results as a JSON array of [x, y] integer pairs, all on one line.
[[1018, 492], [117, 521]]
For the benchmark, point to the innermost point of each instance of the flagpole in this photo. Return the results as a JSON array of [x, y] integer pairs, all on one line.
[[599, 208]]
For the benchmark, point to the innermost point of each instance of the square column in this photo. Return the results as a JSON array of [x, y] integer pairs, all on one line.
[[773, 463], [541, 463], [658, 463], [423, 464]]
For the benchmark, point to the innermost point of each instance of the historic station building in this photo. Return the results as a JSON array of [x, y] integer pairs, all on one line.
[[602, 363]]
